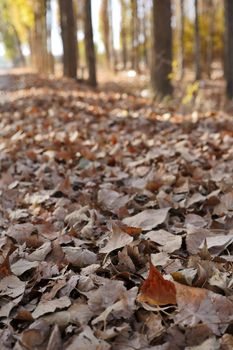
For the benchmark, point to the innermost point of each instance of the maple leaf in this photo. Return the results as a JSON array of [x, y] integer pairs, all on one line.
[[155, 290]]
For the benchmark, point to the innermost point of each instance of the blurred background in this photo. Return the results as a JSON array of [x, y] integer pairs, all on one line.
[[146, 46]]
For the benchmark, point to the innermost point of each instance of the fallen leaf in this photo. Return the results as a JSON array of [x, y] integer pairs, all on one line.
[[216, 244], [12, 286], [112, 200], [79, 257], [121, 309], [87, 340], [20, 232], [23, 265], [194, 220], [155, 290], [197, 305], [168, 241], [40, 253], [45, 307], [55, 340], [147, 219], [117, 239]]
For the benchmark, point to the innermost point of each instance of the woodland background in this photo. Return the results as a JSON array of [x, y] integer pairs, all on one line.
[[160, 43]]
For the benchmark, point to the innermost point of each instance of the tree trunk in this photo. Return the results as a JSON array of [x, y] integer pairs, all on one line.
[[113, 52], [228, 12], [210, 43], [123, 34], [69, 38], [49, 38], [197, 44], [144, 32], [40, 37], [104, 14], [134, 37], [162, 48], [181, 40], [89, 43]]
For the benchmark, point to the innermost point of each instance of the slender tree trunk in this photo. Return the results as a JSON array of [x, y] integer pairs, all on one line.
[[134, 38], [40, 37], [197, 44], [162, 48], [123, 34], [104, 14], [210, 43], [69, 38], [181, 40], [144, 32], [89, 43], [111, 35], [228, 10], [49, 38]]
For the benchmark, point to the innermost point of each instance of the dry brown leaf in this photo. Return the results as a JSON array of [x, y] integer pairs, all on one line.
[[79, 257], [112, 200], [11, 286], [168, 241], [147, 219], [23, 265], [87, 340], [117, 239], [46, 307]]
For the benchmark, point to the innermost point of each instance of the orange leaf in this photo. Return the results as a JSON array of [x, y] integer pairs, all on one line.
[[132, 231], [5, 269], [155, 290]]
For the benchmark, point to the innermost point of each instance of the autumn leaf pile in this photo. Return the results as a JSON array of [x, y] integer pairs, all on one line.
[[116, 221]]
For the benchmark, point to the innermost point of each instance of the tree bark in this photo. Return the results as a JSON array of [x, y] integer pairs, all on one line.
[[210, 43], [49, 38], [228, 14], [40, 37], [181, 39], [162, 48], [104, 14], [197, 43], [134, 37], [144, 32], [112, 49], [89, 43], [69, 38], [123, 34]]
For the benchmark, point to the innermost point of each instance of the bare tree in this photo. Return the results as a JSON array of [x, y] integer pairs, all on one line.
[[197, 43], [144, 33], [89, 43], [228, 10], [134, 35], [69, 38], [104, 16], [49, 37], [124, 33], [181, 39], [39, 46], [210, 43], [162, 48]]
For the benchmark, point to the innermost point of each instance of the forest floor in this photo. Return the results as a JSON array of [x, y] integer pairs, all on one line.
[[98, 188]]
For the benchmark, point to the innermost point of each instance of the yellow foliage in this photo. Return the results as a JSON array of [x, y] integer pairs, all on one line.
[[191, 91]]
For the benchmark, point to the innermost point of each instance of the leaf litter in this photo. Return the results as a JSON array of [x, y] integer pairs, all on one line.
[[115, 220]]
